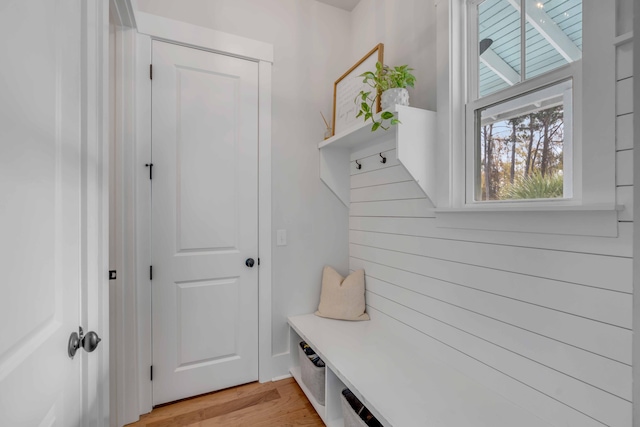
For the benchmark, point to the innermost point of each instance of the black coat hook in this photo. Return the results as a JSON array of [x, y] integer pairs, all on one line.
[[358, 165], [383, 159]]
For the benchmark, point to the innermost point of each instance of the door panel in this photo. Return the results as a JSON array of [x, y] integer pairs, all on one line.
[[204, 221], [40, 204], [214, 303], [207, 223]]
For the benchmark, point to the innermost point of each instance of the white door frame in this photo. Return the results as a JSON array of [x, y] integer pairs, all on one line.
[[94, 313], [124, 351], [133, 104]]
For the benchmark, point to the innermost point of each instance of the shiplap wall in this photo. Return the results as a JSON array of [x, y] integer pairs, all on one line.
[[545, 320]]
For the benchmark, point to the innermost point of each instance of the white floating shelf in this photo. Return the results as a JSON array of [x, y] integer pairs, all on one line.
[[415, 139]]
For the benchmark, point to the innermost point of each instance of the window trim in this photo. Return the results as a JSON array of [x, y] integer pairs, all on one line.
[[596, 174], [475, 102], [531, 86]]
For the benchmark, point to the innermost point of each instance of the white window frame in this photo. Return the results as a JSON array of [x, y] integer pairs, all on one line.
[[520, 90], [592, 210]]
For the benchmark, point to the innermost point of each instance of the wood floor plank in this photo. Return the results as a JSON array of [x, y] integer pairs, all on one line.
[[180, 407], [302, 417], [291, 402], [280, 403], [218, 410]]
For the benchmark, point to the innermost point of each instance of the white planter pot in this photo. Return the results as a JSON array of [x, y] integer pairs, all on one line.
[[391, 97]]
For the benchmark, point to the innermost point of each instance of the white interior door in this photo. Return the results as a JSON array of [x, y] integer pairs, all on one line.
[[204, 221], [40, 212]]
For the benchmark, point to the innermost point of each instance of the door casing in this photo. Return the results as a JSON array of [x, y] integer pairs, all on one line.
[[94, 312], [133, 388], [123, 323]]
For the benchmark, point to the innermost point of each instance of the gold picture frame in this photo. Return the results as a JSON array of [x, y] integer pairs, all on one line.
[[349, 85]]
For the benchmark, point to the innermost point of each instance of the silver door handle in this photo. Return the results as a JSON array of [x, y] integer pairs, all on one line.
[[78, 339]]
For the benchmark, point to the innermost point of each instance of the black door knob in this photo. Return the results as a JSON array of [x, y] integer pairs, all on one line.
[[249, 262]]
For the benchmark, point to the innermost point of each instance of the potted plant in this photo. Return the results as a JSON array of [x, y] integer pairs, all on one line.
[[389, 84]]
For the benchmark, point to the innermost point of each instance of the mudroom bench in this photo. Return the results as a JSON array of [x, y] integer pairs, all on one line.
[[387, 365]]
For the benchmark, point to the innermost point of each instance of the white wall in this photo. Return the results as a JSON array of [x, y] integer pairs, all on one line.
[[408, 30], [545, 320], [311, 50]]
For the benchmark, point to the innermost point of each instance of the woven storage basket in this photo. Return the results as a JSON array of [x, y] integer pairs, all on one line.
[[351, 419], [312, 376]]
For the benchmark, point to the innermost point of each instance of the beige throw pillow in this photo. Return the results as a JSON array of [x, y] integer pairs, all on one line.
[[342, 298]]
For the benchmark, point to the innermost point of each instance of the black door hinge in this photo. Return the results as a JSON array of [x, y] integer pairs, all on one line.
[[151, 272], [112, 274], [150, 166], [151, 71], [258, 261], [151, 372]]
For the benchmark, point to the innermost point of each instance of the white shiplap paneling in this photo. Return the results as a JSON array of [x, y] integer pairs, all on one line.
[[500, 289], [611, 376], [426, 227], [551, 410], [380, 177], [624, 132], [624, 61], [396, 191], [604, 407], [604, 373], [594, 269], [624, 197], [624, 96], [543, 319], [624, 167], [414, 208], [599, 338]]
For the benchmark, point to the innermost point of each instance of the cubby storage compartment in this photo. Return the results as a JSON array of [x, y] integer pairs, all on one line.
[[312, 376], [330, 410], [351, 419]]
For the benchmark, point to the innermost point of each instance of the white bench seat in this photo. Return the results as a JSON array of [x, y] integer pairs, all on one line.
[[385, 365]]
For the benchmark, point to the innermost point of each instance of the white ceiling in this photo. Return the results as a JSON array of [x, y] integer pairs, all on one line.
[[347, 5]]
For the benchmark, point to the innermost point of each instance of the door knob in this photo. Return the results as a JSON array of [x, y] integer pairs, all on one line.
[[78, 339], [249, 262], [90, 341]]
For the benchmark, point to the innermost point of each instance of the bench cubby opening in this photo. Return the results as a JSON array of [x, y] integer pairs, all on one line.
[[331, 411]]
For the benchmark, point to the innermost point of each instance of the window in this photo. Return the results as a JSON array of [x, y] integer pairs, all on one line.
[[572, 92], [524, 72], [521, 146]]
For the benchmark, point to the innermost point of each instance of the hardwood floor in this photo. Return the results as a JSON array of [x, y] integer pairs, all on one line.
[[280, 404]]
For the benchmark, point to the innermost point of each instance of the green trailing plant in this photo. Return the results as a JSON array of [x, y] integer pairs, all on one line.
[[382, 79], [535, 186]]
